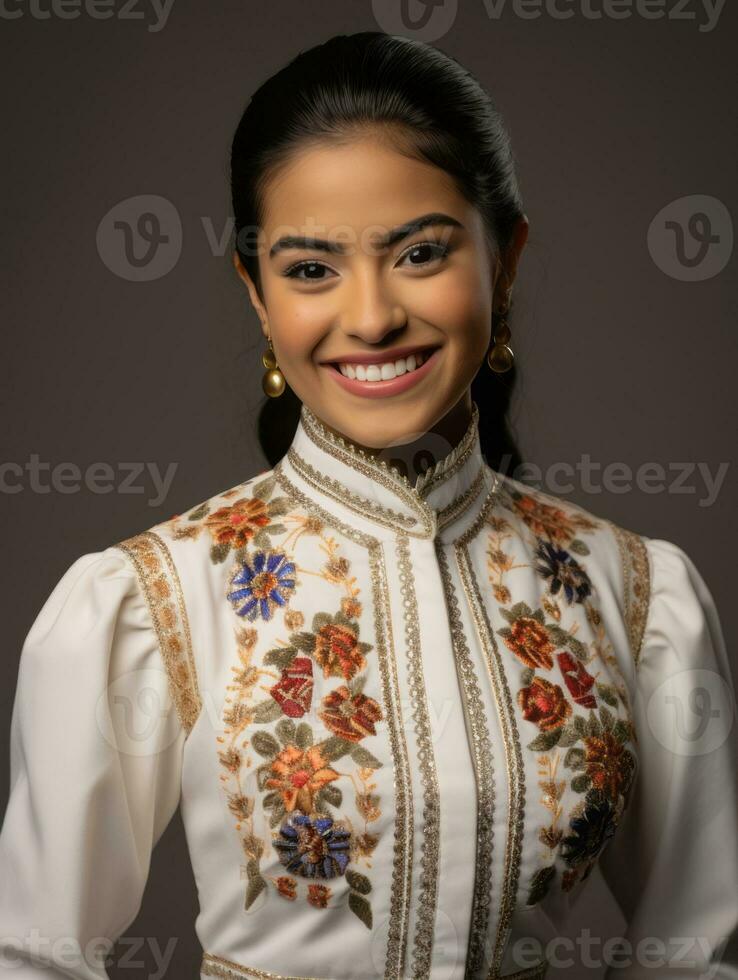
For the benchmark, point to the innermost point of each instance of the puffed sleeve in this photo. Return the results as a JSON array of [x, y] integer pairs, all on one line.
[[672, 864], [95, 767]]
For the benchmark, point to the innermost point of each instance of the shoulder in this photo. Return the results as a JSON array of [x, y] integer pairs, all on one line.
[[651, 584], [617, 559], [208, 529], [175, 566]]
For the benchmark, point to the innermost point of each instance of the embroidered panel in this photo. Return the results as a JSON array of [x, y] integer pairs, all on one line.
[[297, 711], [636, 585], [570, 694], [160, 584]]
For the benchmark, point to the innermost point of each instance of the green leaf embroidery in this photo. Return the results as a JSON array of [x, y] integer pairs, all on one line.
[[256, 887], [545, 741], [265, 744], [364, 758], [361, 908], [359, 882]]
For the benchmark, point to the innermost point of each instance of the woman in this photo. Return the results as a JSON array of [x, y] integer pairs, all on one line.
[[406, 702]]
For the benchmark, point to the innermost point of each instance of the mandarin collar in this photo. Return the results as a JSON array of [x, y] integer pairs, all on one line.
[[329, 470]]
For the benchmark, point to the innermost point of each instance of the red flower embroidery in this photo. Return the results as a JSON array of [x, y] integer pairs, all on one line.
[[294, 690], [544, 703], [577, 679]]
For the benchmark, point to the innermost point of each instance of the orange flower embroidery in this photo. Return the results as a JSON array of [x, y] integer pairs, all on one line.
[[287, 887], [529, 641], [337, 651], [553, 522], [237, 524], [318, 896], [608, 764], [350, 716], [298, 774]]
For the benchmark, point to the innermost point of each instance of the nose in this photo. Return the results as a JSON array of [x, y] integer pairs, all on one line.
[[370, 311]]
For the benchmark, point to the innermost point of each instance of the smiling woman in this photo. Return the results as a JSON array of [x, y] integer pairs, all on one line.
[[377, 214], [406, 702]]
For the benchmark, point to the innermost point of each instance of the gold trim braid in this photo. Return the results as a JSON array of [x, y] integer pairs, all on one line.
[[160, 584], [218, 966], [636, 585]]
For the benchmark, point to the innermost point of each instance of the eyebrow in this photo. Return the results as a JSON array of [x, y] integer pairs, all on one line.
[[386, 241]]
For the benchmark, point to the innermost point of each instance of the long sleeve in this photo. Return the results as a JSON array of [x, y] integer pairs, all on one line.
[[673, 862], [95, 773]]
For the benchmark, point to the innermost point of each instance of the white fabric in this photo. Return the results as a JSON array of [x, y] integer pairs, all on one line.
[[673, 866], [83, 818], [84, 815]]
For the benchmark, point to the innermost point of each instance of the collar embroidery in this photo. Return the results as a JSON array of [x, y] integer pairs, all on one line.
[[379, 491]]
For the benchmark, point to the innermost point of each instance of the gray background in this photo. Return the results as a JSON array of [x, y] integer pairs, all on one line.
[[612, 120]]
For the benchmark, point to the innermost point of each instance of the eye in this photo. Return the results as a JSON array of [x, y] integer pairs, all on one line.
[[421, 249], [312, 271]]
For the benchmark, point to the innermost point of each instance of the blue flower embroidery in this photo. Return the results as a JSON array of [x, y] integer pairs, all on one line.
[[564, 572], [591, 830], [313, 848], [266, 581]]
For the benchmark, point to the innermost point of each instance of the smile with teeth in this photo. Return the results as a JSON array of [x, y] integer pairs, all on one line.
[[385, 371]]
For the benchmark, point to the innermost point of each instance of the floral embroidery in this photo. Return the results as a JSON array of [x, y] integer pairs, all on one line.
[[266, 582], [544, 703], [351, 716], [293, 692], [248, 521], [636, 585], [313, 848], [300, 771], [161, 586], [549, 520], [564, 572], [298, 774], [597, 756]]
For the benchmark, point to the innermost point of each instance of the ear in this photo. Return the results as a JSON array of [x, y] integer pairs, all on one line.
[[253, 293], [506, 267]]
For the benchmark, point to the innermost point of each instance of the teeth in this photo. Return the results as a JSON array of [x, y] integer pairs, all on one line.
[[386, 371]]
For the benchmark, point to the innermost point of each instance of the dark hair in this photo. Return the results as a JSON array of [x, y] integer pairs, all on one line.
[[439, 113]]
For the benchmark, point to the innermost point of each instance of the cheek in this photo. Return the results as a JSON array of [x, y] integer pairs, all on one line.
[[298, 324], [459, 303]]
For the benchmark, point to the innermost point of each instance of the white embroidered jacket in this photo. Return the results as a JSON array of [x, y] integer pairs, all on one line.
[[404, 722]]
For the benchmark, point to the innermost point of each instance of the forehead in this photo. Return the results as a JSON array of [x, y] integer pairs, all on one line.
[[361, 184]]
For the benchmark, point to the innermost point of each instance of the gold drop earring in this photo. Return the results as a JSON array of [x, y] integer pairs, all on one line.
[[500, 356], [272, 380]]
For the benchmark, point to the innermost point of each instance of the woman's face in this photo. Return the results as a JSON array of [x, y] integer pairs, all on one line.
[[335, 293]]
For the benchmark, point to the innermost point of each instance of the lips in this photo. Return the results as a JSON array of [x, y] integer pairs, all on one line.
[[384, 389]]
